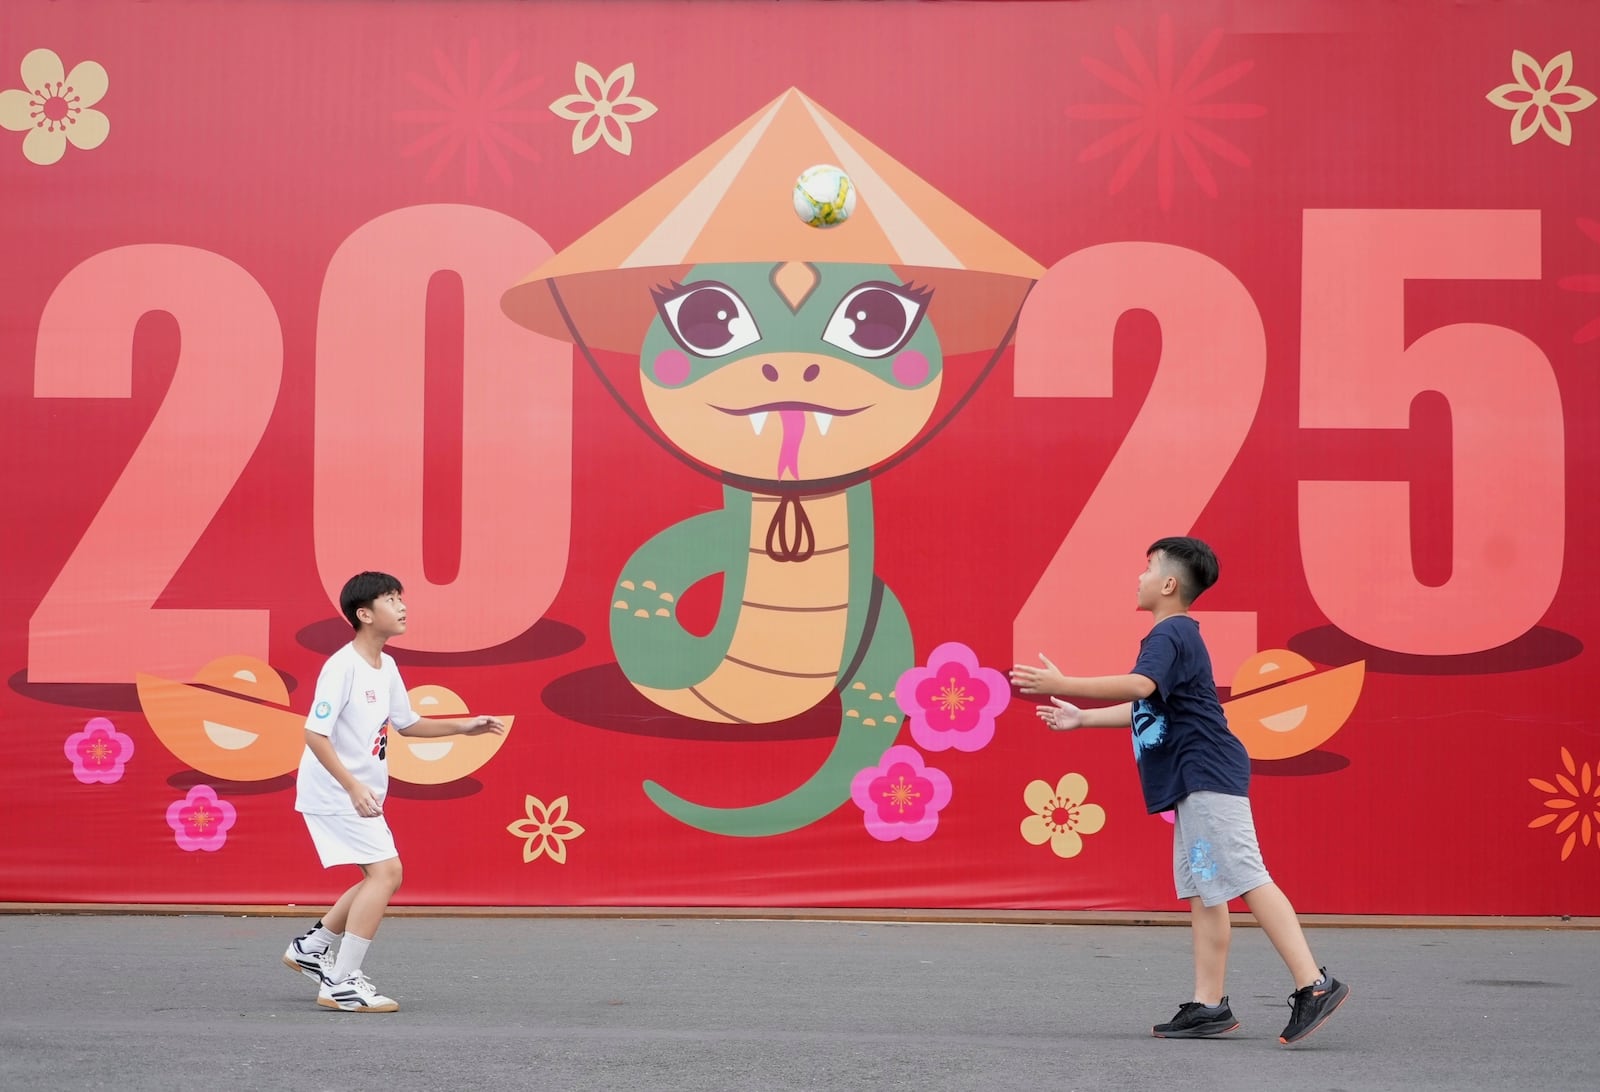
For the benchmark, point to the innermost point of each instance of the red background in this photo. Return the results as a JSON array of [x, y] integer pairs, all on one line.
[[266, 133]]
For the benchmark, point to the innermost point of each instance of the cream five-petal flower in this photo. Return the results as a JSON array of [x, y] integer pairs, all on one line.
[[55, 108], [1060, 815], [1542, 97]]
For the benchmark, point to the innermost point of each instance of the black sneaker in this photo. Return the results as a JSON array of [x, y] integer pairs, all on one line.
[[1312, 1005], [1197, 1021]]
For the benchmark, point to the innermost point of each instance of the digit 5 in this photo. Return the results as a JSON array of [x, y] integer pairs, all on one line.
[[1508, 488]]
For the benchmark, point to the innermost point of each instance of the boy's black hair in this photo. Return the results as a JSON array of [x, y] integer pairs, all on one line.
[[1194, 561], [361, 590]]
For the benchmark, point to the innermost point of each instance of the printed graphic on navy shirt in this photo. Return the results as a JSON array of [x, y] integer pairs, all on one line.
[[1149, 728]]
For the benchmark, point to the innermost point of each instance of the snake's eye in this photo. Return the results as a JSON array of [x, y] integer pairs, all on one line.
[[707, 318], [875, 319]]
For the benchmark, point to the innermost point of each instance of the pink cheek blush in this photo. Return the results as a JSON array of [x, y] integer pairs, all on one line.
[[911, 369], [670, 368]]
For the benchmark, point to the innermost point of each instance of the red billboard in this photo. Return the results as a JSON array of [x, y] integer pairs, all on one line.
[[740, 389]]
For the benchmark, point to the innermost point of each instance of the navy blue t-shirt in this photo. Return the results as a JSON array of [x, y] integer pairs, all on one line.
[[1180, 735]]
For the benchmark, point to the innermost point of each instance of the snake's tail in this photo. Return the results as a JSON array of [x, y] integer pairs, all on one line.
[[857, 748], [869, 723]]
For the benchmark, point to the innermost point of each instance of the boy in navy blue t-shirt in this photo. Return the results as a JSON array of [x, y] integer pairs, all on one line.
[[1189, 762]]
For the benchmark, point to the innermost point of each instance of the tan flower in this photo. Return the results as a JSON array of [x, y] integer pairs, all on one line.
[[545, 830], [54, 109], [603, 108], [1060, 815], [1578, 802], [1541, 97]]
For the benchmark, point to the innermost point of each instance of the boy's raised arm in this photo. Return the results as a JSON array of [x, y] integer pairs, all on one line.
[[1049, 680], [1063, 716], [463, 726]]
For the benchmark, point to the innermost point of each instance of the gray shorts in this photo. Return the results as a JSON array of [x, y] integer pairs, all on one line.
[[1214, 850]]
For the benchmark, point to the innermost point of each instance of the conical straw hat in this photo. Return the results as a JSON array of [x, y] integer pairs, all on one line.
[[733, 203]]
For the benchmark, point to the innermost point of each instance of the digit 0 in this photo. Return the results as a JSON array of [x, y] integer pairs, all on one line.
[[516, 458]]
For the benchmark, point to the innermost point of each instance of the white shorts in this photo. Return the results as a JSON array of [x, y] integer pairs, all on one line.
[[1215, 856], [350, 839]]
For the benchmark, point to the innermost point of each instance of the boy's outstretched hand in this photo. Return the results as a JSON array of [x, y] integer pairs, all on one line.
[[1038, 680], [479, 725], [1061, 715]]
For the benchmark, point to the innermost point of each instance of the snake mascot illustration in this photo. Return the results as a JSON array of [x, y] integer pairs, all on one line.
[[793, 365]]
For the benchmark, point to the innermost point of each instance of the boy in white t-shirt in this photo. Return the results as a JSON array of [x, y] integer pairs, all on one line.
[[344, 776]]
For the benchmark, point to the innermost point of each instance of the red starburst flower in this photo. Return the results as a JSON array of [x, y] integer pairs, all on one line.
[[472, 118], [1585, 282], [1165, 112]]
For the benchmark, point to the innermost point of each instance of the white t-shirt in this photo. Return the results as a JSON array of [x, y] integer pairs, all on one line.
[[355, 706]]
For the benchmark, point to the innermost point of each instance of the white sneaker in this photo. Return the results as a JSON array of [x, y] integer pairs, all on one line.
[[315, 965], [355, 994]]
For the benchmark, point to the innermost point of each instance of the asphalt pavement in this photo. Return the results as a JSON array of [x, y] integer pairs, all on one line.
[[135, 1002]]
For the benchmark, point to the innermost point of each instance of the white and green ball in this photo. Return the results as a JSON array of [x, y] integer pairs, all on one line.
[[824, 196]]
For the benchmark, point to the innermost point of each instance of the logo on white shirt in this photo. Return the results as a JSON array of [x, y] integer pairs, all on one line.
[[372, 697], [323, 709]]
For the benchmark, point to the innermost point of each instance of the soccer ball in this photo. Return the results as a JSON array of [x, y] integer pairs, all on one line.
[[824, 196]]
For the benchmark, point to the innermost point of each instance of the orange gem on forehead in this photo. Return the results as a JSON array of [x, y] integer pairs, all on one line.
[[794, 282]]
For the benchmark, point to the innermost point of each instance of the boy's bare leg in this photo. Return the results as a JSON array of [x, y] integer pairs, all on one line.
[[337, 917], [370, 898], [1276, 915], [1212, 932]]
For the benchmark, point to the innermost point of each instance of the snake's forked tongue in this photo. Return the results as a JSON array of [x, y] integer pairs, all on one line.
[[794, 427], [789, 535]]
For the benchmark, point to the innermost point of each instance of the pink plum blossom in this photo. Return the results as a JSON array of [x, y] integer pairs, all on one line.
[[99, 754], [900, 797], [952, 702], [201, 820]]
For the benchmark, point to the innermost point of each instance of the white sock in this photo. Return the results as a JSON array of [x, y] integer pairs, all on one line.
[[320, 936], [350, 954]]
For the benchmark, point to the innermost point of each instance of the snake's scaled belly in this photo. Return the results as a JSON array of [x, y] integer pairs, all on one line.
[[788, 644]]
